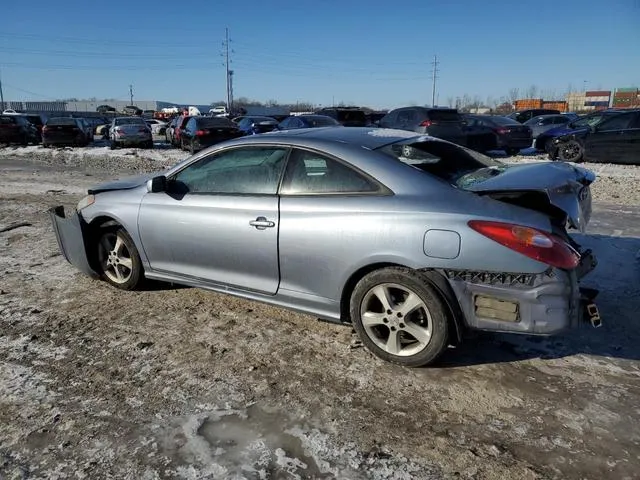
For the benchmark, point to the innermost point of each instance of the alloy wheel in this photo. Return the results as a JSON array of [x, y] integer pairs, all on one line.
[[115, 258], [396, 319]]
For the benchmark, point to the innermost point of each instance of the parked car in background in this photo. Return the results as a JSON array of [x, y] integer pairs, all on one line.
[[87, 129], [542, 123], [202, 132], [524, 115], [17, 129], [411, 240], [64, 131], [308, 121], [253, 125], [544, 140], [37, 120], [105, 109], [130, 131], [613, 139], [158, 127], [445, 123], [102, 130], [148, 113], [346, 116], [132, 110], [489, 132], [373, 118]]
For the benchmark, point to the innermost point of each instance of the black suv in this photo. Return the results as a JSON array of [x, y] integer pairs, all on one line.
[[445, 123], [524, 115], [17, 129], [611, 136], [346, 116]]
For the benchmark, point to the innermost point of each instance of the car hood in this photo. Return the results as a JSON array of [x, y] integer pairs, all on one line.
[[562, 131], [565, 185], [123, 184]]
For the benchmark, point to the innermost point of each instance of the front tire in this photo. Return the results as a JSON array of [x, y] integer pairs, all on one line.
[[512, 151], [118, 259], [400, 317], [571, 151]]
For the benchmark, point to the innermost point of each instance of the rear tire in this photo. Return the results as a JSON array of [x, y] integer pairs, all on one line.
[[400, 317], [118, 260], [113, 145]]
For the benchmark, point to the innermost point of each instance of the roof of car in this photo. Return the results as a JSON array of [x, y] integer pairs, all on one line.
[[365, 137]]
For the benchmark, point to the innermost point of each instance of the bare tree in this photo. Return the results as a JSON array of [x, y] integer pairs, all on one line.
[[532, 91], [514, 94]]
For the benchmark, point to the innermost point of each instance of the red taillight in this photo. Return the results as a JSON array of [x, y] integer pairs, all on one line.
[[200, 133], [426, 123], [502, 131], [540, 246]]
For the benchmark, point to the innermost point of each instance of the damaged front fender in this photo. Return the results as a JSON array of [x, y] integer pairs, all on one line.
[[71, 233]]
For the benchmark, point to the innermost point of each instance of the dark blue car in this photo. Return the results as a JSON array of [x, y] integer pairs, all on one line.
[[253, 125], [544, 141]]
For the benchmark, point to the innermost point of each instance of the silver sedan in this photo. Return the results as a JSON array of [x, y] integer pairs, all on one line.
[[411, 240]]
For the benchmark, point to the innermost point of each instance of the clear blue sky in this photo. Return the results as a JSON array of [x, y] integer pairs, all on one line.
[[368, 52]]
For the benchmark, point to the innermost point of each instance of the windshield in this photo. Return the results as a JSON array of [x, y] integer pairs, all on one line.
[[457, 165], [589, 121]]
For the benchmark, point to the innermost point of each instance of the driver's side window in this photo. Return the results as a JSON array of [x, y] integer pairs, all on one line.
[[244, 170]]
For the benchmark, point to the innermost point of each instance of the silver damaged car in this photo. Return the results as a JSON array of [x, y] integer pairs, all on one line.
[[411, 240]]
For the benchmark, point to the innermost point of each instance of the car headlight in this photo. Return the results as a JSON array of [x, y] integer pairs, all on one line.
[[85, 202]]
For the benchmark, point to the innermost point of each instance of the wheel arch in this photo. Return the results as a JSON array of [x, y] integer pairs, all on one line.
[[435, 279]]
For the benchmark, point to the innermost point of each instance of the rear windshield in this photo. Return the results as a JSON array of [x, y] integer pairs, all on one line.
[[444, 116], [215, 122], [8, 120], [262, 119], [320, 121], [503, 121], [61, 121], [34, 119], [130, 121], [457, 165]]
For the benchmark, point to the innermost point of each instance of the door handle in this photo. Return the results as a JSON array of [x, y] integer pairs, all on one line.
[[261, 223]]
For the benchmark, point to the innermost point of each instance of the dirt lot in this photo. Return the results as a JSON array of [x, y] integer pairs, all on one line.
[[183, 383]]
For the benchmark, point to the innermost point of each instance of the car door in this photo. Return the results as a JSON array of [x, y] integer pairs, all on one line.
[[632, 141], [321, 198], [218, 221], [608, 141]]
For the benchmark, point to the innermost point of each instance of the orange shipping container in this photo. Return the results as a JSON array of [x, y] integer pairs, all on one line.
[[526, 103], [559, 105]]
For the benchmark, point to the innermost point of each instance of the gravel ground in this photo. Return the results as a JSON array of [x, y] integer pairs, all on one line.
[[183, 383]]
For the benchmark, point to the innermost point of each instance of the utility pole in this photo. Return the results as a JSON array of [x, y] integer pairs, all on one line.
[[229, 72], [434, 76], [1, 95], [131, 94], [584, 85]]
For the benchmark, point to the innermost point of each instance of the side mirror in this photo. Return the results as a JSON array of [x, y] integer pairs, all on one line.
[[157, 184]]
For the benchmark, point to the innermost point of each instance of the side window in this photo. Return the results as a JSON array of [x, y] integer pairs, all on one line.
[[296, 123], [618, 122], [404, 116], [310, 173], [254, 170], [284, 124], [547, 121]]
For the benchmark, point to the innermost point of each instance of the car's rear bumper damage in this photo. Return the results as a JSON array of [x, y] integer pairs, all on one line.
[[542, 304], [71, 235]]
